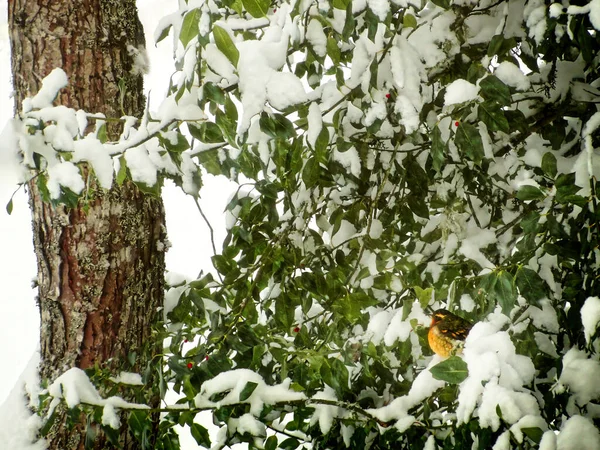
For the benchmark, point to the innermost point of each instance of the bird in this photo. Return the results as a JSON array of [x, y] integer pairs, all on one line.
[[447, 332]]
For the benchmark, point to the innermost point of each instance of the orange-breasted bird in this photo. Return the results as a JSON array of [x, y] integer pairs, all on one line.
[[447, 332]]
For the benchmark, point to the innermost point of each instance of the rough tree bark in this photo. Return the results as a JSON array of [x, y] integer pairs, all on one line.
[[100, 264]]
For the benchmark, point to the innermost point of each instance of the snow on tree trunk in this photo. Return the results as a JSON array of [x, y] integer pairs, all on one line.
[[101, 263]]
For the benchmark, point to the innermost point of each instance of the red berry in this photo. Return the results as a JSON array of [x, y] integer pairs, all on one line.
[[388, 95], [186, 341], [190, 365], [296, 329], [206, 358], [456, 123]]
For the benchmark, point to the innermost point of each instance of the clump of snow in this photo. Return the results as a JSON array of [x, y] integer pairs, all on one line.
[[20, 427], [234, 381], [325, 414], [90, 149], [346, 232], [74, 387], [284, 89], [578, 433], [64, 174], [467, 303], [133, 379], [51, 84], [594, 13], [580, 376], [380, 8], [316, 37], [497, 376], [590, 317], [460, 91], [512, 76], [408, 72], [423, 386]]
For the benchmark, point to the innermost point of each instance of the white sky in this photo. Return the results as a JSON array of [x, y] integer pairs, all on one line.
[[191, 249]]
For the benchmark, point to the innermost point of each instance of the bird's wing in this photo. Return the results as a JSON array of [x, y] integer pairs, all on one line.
[[458, 330]]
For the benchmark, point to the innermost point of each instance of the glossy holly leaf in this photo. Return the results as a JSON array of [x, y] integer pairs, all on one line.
[[277, 126], [200, 434], [467, 139], [209, 159], [271, 443], [226, 45], [528, 192], [549, 165], [533, 433], [493, 89], [311, 172], [530, 285], [439, 149], [452, 370], [207, 132], [257, 8], [445, 4], [247, 391], [505, 291], [492, 115]]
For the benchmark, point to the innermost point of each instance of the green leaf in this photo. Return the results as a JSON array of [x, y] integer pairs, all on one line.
[[495, 45], [277, 126], [492, 115], [213, 92], [549, 166], [529, 192], [139, 425], [530, 285], [226, 45], [505, 291], [311, 172], [289, 444], [9, 207], [247, 391], [122, 173], [494, 90], [467, 139], [341, 4], [189, 27], [417, 205], [452, 370], [516, 121], [209, 159], [257, 8], [271, 443], [424, 296], [409, 21], [439, 149], [206, 132], [321, 145], [533, 433], [350, 23], [445, 4], [333, 51], [163, 33], [200, 434], [45, 429]]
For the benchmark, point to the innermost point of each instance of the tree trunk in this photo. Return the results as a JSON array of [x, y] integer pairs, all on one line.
[[100, 264]]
